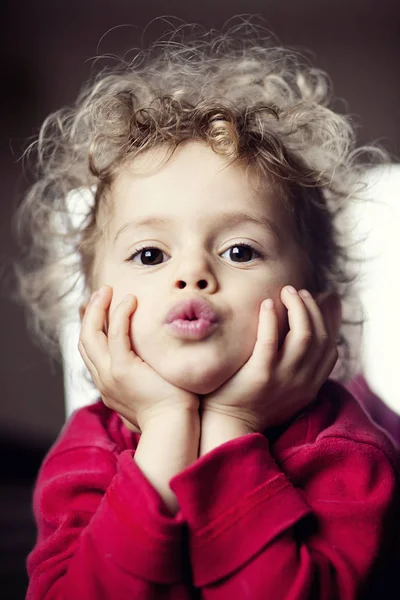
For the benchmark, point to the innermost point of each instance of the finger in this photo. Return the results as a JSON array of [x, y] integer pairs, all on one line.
[[91, 367], [324, 369], [119, 341], [92, 336], [266, 346], [325, 315], [300, 335], [322, 342]]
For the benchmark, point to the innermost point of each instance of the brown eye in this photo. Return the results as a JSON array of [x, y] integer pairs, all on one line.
[[148, 256], [241, 253]]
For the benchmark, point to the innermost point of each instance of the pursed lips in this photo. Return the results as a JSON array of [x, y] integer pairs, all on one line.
[[192, 309], [192, 319]]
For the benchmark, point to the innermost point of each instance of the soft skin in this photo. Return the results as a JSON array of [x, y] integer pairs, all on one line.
[[193, 192]]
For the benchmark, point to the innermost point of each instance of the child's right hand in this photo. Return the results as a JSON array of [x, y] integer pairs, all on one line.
[[126, 383]]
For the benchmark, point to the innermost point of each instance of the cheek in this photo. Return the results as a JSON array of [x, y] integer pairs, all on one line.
[[248, 312], [145, 332]]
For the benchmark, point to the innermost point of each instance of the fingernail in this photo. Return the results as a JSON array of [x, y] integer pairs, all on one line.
[[291, 289], [305, 294], [268, 304]]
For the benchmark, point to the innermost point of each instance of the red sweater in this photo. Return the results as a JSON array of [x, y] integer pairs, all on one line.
[[300, 512], [375, 407]]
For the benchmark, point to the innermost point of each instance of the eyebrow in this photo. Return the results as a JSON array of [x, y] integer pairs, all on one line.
[[228, 220]]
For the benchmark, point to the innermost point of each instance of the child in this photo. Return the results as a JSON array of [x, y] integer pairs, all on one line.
[[220, 462]]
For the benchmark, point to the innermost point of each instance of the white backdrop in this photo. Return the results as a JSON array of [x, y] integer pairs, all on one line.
[[379, 222]]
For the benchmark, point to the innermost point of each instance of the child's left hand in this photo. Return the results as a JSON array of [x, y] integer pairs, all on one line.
[[275, 383]]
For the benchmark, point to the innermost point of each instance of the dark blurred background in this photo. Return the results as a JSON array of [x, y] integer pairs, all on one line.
[[47, 50]]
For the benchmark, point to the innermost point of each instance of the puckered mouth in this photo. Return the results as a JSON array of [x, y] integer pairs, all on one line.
[[192, 309]]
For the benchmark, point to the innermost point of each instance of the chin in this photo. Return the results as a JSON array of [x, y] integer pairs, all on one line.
[[202, 388], [197, 383]]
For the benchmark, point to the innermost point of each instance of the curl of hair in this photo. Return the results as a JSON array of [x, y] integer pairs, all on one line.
[[255, 103]]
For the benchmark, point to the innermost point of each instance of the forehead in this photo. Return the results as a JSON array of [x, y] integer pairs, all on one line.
[[192, 183]]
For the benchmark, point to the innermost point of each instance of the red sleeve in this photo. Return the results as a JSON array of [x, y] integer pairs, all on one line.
[[310, 532], [103, 532]]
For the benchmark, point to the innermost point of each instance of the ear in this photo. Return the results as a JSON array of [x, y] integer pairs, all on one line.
[[331, 308]]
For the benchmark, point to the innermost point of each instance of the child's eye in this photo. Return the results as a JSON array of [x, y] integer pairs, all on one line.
[[148, 256], [241, 253]]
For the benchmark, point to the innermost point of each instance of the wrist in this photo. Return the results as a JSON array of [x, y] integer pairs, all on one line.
[[180, 421], [218, 428], [168, 444], [169, 412]]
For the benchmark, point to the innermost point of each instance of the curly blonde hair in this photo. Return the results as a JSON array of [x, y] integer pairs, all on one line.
[[253, 102]]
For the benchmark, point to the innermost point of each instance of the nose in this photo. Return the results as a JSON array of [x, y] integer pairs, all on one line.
[[195, 274]]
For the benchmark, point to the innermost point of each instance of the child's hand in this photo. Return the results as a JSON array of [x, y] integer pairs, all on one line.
[[276, 383], [126, 383]]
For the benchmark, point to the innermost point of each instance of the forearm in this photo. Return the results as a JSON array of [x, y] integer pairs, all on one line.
[[167, 445], [217, 428]]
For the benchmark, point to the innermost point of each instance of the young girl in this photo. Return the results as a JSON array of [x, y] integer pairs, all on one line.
[[220, 461]]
